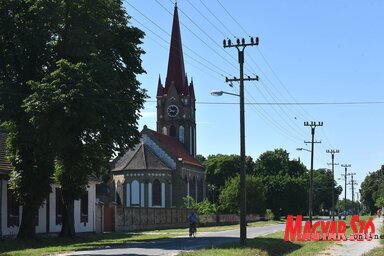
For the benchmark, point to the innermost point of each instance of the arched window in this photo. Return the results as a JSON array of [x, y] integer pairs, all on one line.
[[156, 193], [135, 193], [164, 130], [181, 134], [172, 131]]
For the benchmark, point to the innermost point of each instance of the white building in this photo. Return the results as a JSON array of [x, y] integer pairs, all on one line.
[[49, 217]]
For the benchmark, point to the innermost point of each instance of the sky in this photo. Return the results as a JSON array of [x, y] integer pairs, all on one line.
[[325, 58]]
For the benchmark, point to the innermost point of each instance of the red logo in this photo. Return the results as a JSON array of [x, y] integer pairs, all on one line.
[[328, 230]]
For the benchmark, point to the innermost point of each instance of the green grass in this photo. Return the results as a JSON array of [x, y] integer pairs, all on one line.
[[264, 246], [51, 245]]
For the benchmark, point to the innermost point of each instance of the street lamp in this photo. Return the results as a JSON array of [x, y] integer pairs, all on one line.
[[243, 220], [220, 93], [301, 149], [310, 187]]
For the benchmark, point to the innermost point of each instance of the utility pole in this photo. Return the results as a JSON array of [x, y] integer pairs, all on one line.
[[345, 188], [358, 202], [333, 152], [313, 127], [240, 46], [353, 183]]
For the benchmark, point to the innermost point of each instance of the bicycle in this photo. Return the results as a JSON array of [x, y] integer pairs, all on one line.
[[192, 229]]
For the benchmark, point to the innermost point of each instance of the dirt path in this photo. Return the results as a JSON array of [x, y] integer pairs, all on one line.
[[354, 248]]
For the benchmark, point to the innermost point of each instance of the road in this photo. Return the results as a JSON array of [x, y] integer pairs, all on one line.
[[173, 246]]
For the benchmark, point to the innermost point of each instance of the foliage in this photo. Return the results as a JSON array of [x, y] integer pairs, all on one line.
[[340, 205], [322, 192], [26, 28], [285, 194], [206, 207], [68, 70], [269, 214], [189, 202], [220, 167], [230, 196], [369, 190], [272, 163], [201, 159]]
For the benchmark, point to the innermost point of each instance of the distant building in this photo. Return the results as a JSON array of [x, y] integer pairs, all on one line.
[[162, 169]]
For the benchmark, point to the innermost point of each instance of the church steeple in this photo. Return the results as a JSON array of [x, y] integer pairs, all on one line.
[[176, 72], [176, 97]]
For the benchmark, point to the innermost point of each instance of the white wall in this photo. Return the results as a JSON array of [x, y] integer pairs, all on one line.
[[7, 231], [41, 227]]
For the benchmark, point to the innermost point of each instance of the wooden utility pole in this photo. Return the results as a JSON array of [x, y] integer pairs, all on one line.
[[345, 188], [313, 127], [240, 46]]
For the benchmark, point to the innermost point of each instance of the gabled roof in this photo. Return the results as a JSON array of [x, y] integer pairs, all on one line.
[[176, 71], [172, 146], [140, 158], [5, 165]]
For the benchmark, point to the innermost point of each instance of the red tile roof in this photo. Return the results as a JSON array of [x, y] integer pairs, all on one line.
[[172, 146]]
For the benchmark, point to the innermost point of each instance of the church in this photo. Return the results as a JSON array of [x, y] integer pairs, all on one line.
[[162, 169]]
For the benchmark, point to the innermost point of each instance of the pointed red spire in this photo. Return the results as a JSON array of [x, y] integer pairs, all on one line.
[[160, 88], [176, 72], [191, 89]]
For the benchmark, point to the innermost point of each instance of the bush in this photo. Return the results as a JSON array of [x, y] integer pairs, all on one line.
[[269, 214]]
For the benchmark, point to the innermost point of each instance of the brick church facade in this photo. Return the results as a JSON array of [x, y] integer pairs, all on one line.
[[162, 169]]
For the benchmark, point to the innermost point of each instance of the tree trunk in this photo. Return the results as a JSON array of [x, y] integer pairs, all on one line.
[[68, 227], [27, 228]]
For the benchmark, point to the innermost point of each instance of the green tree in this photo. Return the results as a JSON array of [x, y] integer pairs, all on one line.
[[285, 182], [230, 195], [90, 94], [369, 190], [201, 158], [285, 194], [26, 28], [273, 163], [322, 190], [340, 205], [220, 167]]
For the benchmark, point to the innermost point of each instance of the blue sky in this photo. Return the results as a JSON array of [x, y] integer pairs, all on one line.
[[310, 52]]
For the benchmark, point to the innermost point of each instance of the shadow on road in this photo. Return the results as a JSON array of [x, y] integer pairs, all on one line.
[[273, 246]]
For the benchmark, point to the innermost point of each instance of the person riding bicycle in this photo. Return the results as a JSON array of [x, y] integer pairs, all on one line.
[[192, 218]]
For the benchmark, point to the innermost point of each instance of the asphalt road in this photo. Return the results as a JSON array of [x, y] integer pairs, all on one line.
[[173, 246]]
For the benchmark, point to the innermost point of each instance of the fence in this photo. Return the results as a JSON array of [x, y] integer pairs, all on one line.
[[130, 218]]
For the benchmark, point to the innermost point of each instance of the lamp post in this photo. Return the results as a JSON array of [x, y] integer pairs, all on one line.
[[310, 184], [243, 222]]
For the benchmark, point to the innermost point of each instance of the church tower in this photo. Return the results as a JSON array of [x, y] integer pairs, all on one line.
[[176, 98]]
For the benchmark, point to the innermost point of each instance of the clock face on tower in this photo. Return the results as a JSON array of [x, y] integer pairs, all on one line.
[[172, 110]]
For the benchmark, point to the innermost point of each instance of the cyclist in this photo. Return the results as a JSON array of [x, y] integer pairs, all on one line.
[[192, 218]]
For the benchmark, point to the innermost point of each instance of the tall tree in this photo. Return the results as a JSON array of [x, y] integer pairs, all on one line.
[[272, 163], [230, 195], [369, 190], [68, 92], [88, 104], [220, 168], [26, 28], [323, 184]]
